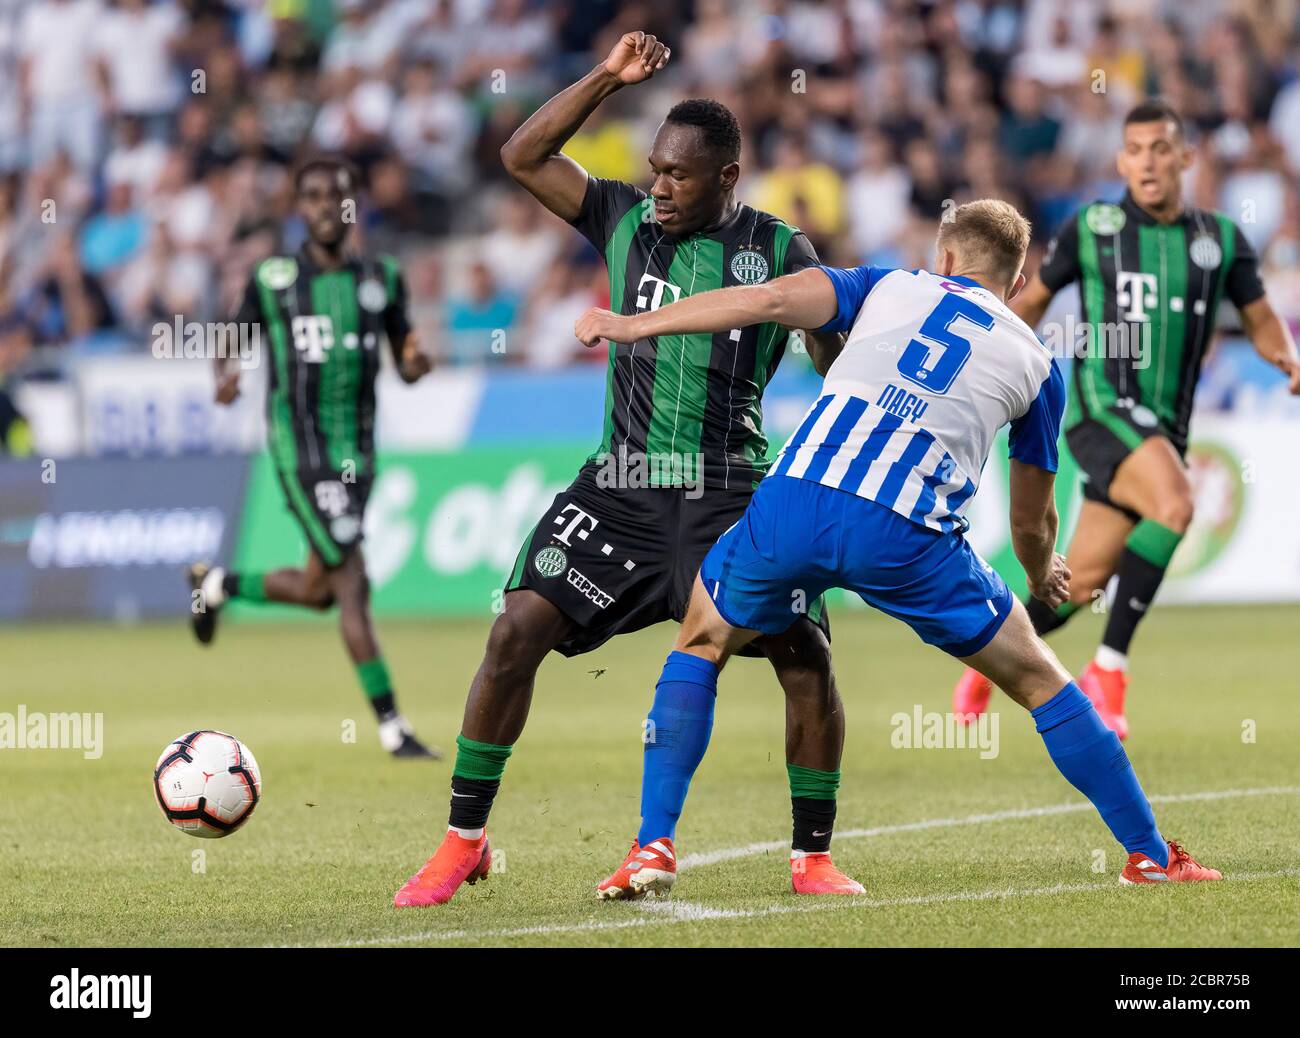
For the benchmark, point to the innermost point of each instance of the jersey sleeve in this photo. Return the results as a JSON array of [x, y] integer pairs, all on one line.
[[1242, 284], [799, 254], [605, 203], [1060, 263], [1034, 434], [851, 288], [397, 321], [250, 303]]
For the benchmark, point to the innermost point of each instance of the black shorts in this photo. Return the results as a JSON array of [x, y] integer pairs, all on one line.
[[617, 560], [1099, 443], [330, 508]]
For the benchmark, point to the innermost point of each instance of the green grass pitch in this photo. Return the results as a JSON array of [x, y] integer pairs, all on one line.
[[87, 859]]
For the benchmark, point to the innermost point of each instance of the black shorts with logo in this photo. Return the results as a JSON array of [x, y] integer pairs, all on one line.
[[615, 560], [329, 508], [1102, 441]]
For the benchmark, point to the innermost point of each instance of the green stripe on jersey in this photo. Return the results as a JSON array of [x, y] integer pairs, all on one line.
[[335, 293], [1090, 391], [616, 250], [1163, 252], [771, 332], [681, 389]]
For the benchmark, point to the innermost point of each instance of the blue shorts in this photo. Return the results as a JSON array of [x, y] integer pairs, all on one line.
[[798, 538]]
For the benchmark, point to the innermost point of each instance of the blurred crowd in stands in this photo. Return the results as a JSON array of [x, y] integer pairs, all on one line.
[[146, 147]]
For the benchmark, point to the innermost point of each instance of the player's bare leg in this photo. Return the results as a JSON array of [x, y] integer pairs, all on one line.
[[1095, 548], [212, 586], [814, 742], [348, 585], [1087, 753], [814, 720], [1152, 481], [308, 586], [496, 710], [501, 693]]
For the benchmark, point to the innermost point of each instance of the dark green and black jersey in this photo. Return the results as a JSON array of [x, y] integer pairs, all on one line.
[[321, 331], [681, 400], [1150, 292]]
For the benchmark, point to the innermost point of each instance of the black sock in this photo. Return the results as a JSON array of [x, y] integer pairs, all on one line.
[[814, 819], [1139, 580], [1046, 619], [230, 585], [384, 704], [471, 801]]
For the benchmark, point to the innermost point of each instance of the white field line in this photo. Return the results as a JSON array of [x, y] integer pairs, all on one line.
[[664, 912], [749, 850], [668, 912]]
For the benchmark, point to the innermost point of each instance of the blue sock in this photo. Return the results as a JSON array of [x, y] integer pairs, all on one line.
[[677, 734], [1091, 757]]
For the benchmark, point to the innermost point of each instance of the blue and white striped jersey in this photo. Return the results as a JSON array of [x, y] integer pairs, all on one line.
[[932, 368]]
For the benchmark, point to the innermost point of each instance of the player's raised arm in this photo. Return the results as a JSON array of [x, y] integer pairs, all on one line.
[[532, 155], [803, 300]]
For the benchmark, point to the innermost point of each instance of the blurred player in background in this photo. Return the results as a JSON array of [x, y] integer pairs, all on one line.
[[618, 550], [321, 315], [869, 494], [1152, 273]]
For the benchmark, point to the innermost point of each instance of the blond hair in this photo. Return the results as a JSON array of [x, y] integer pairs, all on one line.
[[988, 236]]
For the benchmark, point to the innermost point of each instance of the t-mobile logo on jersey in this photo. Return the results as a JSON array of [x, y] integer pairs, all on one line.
[[575, 525], [313, 334], [655, 299], [1136, 293]]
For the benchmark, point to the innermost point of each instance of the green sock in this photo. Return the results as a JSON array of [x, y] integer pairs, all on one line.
[[809, 782], [812, 807], [373, 675], [1140, 572], [480, 761], [1154, 542], [247, 586], [475, 779]]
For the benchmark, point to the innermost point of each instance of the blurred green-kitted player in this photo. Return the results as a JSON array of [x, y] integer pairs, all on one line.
[[321, 315], [1152, 272]]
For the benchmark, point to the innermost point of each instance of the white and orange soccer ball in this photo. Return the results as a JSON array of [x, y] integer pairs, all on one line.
[[207, 783]]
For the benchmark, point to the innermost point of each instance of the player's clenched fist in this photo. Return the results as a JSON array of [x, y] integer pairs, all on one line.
[[636, 57], [597, 324]]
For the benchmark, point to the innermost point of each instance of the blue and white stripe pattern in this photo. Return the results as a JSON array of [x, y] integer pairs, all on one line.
[[932, 368], [844, 442]]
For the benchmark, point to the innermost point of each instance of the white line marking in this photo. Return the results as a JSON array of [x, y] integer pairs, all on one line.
[[662, 913], [688, 911], [749, 850], [682, 911]]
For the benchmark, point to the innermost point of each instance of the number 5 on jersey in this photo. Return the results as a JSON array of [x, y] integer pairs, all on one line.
[[936, 332]]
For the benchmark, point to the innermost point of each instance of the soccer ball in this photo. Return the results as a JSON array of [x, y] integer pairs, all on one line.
[[207, 783]]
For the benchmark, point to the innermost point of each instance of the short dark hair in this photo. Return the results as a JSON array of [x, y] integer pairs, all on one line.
[[330, 164], [1154, 110], [716, 122]]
